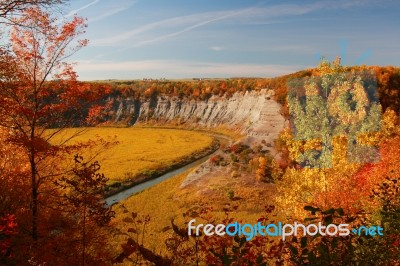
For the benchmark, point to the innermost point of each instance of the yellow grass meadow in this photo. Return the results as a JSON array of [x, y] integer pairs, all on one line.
[[167, 200], [140, 149]]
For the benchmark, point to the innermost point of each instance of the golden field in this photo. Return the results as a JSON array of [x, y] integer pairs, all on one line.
[[139, 149], [167, 200], [220, 130]]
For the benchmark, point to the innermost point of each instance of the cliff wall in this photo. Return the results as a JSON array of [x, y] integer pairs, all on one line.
[[254, 113]]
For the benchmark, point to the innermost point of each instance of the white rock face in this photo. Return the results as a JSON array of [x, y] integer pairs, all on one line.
[[254, 113]]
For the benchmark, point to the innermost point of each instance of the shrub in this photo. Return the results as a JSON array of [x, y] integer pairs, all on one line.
[[231, 194]]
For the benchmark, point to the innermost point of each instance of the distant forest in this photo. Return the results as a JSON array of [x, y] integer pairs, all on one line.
[[388, 81]]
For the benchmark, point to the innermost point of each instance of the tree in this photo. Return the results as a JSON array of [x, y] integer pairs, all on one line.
[[30, 102], [9, 7], [330, 112], [85, 193], [261, 172]]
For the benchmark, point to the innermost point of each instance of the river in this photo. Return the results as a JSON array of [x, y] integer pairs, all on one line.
[[142, 186]]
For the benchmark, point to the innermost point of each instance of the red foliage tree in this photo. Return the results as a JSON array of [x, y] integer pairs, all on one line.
[[39, 91]]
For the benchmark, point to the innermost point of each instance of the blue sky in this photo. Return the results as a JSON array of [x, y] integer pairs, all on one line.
[[132, 39]]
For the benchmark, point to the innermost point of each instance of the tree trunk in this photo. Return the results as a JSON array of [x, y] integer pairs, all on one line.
[[84, 224], [34, 207]]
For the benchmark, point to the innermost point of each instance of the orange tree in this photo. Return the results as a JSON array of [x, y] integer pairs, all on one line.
[[28, 102], [39, 91]]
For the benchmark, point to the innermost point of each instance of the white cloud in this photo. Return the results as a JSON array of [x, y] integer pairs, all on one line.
[[178, 69]]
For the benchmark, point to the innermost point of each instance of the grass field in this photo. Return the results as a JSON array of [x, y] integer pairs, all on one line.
[[157, 202], [166, 201], [141, 149]]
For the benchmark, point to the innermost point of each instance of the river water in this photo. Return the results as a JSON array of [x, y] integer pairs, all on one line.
[[140, 187], [135, 189]]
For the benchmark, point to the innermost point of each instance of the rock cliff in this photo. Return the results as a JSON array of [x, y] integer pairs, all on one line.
[[254, 113]]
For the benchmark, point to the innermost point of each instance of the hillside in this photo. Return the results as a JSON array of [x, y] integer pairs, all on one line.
[[235, 102]]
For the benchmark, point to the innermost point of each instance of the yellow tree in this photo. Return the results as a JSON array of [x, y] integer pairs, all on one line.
[[261, 171], [329, 112]]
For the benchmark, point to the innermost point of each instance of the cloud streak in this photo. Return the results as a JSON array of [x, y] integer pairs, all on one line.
[[191, 22], [187, 29], [217, 48], [167, 23], [112, 12], [107, 14], [73, 12]]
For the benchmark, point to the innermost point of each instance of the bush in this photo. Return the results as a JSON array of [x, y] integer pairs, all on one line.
[[216, 160], [231, 194]]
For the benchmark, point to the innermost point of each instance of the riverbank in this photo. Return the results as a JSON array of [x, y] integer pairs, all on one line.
[[141, 178]]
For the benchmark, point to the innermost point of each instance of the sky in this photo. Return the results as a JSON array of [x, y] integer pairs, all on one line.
[[134, 39]]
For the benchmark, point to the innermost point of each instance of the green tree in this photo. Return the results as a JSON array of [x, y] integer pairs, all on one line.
[[334, 103]]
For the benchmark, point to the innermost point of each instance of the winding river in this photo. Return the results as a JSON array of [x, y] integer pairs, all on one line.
[[113, 199]]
